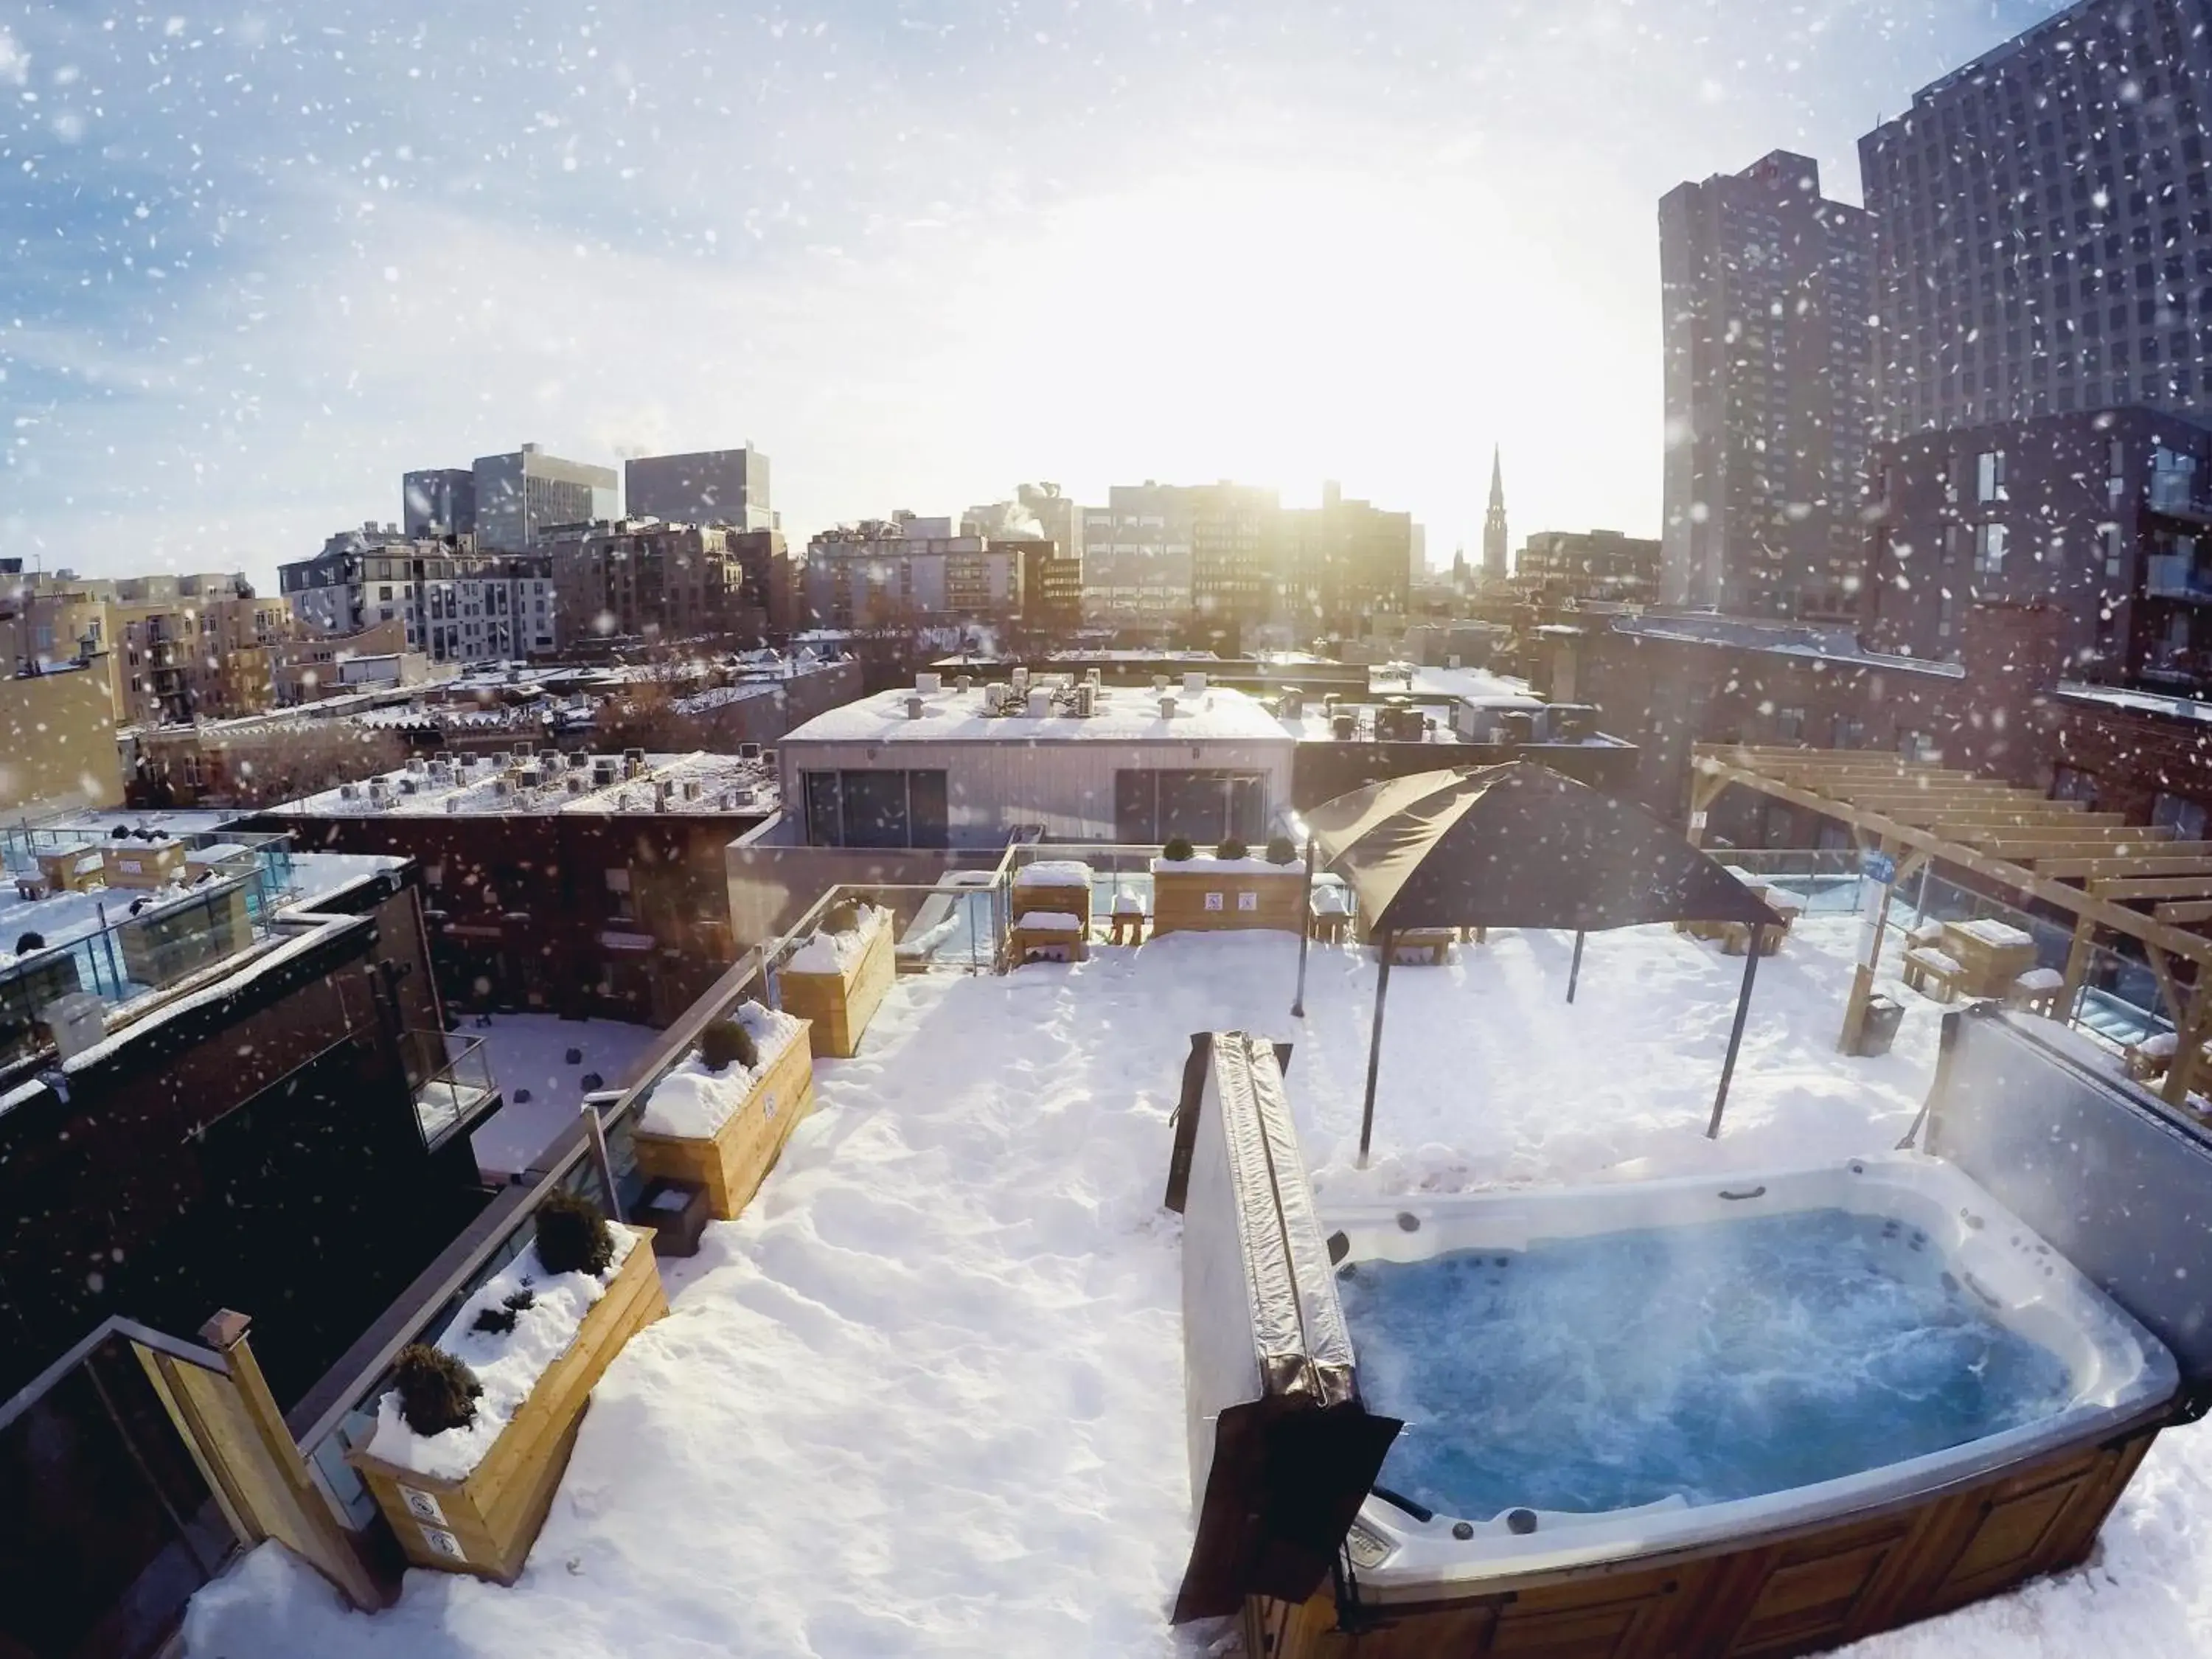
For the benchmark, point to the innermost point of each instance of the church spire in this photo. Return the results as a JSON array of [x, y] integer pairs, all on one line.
[[1493, 522]]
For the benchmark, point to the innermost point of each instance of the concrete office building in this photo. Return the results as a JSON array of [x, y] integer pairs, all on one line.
[[1769, 396], [708, 487], [2103, 516], [2047, 232], [885, 572], [439, 500], [520, 494], [645, 578], [1345, 563], [1136, 556]]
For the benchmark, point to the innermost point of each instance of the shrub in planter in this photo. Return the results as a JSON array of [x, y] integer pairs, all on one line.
[[1232, 848], [727, 1040], [1281, 849], [437, 1392], [844, 917], [500, 1320], [1179, 849], [573, 1235]]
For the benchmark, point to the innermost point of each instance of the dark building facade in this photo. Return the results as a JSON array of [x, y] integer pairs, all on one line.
[[1235, 533], [2046, 224], [1769, 396], [261, 1150], [714, 486], [1052, 589], [439, 500], [2105, 515], [1586, 565]]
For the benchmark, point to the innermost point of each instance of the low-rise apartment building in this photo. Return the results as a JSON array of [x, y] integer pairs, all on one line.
[[651, 580], [455, 602]]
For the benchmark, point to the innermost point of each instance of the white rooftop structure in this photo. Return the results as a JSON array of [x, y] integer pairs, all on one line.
[[500, 786], [1180, 714]]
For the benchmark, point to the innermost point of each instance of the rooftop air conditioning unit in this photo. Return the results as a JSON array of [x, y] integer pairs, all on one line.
[[580, 760], [576, 781], [1193, 686], [994, 698], [749, 751], [964, 683], [417, 766], [768, 757], [1021, 681], [500, 789], [527, 777], [1040, 702], [524, 750], [604, 771], [632, 761], [78, 1020], [453, 803], [443, 757], [929, 684], [1086, 700], [693, 789], [744, 795], [406, 786], [349, 791]]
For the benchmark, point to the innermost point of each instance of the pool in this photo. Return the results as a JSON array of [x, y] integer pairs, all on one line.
[[1598, 1374]]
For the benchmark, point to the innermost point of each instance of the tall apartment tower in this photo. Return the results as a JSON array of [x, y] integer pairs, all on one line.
[[1493, 523], [521, 494], [1769, 390], [2046, 224], [712, 486]]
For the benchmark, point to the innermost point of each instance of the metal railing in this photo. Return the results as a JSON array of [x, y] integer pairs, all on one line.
[[452, 1079]]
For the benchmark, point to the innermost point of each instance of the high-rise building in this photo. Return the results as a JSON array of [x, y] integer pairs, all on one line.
[[1493, 522], [522, 493], [1585, 566], [708, 487], [2045, 228], [439, 500], [1344, 564], [1769, 395]]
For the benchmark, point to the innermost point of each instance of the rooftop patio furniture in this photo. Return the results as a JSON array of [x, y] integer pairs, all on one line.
[[147, 864], [1991, 955], [1934, 974], [1049, 936], [1128, 918], [73, 869], [2037, 992]]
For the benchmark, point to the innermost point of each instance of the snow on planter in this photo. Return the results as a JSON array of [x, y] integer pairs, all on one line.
[[508, 1364], [471, 1499], [1055, 872], [724, 1130], [836, 980]]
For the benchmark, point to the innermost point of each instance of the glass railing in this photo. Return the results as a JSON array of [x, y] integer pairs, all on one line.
[[2175, 576], [452, 1079]]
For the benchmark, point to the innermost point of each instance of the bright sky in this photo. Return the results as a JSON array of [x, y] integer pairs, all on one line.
[[918, 251]]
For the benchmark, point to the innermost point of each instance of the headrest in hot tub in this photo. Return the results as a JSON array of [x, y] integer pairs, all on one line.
[[2114, 1179], [1282, 1452]]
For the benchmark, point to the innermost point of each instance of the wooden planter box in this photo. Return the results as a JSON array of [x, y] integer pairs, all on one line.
[[485, 1522], [142, 864], [1988, 971], [841, 1005], [732, 1164], [74, 869], [1797, 1590], [1218, 900]]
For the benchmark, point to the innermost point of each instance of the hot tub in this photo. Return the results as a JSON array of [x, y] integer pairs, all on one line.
[[1598, 1378]]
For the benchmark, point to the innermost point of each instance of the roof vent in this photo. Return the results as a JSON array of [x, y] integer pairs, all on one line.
[[913, 706], [1193, 686], [1167, 705], [929, 684]]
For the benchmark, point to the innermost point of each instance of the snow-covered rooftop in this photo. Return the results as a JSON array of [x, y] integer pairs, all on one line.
[[925, 1395], [1124, 714], [1475, 684], [491, 785], [1828, 642], [2137, 702]]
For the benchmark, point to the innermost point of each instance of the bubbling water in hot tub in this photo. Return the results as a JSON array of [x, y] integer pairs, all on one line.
[[1716, 1361]]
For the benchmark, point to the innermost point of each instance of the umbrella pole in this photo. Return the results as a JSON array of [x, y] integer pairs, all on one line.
[[1375, 1050], [1735, 1032], [1305, 932], [1575, 968]]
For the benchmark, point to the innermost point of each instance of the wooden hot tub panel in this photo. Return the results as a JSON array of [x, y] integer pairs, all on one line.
[[1769, 1597]]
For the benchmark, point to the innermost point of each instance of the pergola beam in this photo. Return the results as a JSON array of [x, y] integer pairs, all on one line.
[[2093, 834], [2039, 883], [2187, 913], [2179, 857], [2048, 816], [2123, 888]]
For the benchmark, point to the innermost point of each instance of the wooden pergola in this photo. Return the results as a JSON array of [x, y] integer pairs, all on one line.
[[2090, 864]]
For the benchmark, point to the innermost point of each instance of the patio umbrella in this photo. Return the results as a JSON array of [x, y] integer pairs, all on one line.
[[1521, 846]]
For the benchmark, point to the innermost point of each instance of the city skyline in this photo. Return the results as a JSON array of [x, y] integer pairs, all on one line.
[[295, 258]]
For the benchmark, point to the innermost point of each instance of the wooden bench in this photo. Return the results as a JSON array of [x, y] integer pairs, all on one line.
[[2037, 992], [1049, 936], [1933, 974], [1128, 920]]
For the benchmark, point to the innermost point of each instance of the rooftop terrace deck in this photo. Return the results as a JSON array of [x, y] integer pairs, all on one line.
[[925, 1397]]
